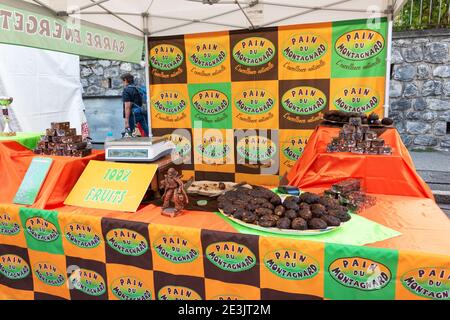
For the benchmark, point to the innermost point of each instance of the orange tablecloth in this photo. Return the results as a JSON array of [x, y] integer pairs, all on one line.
[[64, 173], [393, 175], [423, 225]]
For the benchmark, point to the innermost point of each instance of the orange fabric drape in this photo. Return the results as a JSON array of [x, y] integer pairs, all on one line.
[[423, 225], [381, 174], [64, 173]]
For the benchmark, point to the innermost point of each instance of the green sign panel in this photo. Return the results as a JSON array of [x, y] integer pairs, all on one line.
[[359, 48], [33, 180], [359, 273]]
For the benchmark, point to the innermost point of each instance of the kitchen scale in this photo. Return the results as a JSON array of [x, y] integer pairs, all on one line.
[[138, 149]]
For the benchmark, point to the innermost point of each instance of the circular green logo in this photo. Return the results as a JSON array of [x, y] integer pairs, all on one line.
[[175, 249], [170, 102], [291, 264], [254, 101], [166, 57], [254, 51], [210, 102], [207, 54], [130, 288], [304, 100], [230, 256], [304, 48], [356, 99], [256, 148], [360, 44]]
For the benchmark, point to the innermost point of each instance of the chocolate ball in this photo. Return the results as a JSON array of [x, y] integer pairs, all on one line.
[[291, 214], [299, 224], [279, 210], [316, 223], [268, 220], [331, 220], [305, 213], [284, 223]]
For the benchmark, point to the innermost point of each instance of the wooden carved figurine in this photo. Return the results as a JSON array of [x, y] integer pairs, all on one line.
[[173, 191]]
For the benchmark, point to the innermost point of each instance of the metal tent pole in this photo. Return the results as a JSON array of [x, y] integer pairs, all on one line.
[[147, 74], [388, 64]]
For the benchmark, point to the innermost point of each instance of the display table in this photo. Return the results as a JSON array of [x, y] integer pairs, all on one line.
[[200, 256], [64, 173], [27, 139], [381, 174]]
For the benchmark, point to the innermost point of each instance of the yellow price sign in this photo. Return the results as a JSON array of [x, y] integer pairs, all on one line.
[[113, 186]]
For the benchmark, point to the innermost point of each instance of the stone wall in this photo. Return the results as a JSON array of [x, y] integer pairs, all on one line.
[[420, 88], [101, 78]]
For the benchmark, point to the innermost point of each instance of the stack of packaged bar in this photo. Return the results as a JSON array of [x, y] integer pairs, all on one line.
[[356, 137], [61, 140], [349, 193]]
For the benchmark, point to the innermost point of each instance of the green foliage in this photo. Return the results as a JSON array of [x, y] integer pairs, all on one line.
[[415, 15]]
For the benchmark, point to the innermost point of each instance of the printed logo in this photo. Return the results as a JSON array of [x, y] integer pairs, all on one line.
[[304, 48], [227, 297], [14, 267], [356, 99], [291, 264], [88, 281], [256, 148], [207, 54], [8, 226], [254, 51], [360, 273], [230, 256], [177, 293], [41, 229], [166, 57], [210, 102], [304, 100], [254, 101], [182, 144], [359, 44], [294, 146], [175, 249], [49, 274], [170, 102], [130, 288], [213, 148], [82, 235], [127, 242], [428, 282]]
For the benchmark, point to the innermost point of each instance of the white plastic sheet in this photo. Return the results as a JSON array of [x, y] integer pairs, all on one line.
[[45, 86]]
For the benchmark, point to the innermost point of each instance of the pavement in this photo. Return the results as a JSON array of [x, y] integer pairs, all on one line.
[[434, 168]]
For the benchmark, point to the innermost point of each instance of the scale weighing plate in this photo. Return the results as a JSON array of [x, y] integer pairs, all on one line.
[[140, 149]]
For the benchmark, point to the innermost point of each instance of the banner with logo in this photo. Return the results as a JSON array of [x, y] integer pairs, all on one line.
[[256, 96], [62, 255], [30, 25]]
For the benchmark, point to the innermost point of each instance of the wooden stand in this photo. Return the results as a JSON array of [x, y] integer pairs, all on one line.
[[170, 212]]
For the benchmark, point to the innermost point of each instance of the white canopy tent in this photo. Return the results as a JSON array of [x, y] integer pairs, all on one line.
[[154, 18], [172, 17]]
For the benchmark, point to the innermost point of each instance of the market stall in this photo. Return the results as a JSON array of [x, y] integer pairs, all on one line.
[[210, 258]]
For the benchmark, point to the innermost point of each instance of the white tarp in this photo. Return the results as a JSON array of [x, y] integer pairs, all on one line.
[[170, 17], [45, 86]]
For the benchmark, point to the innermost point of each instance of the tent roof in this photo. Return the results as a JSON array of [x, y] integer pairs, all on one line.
[[171, 17]]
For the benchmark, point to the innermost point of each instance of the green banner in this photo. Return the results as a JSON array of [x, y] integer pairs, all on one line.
[[31, 26], [41, 229], [359, 273]]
